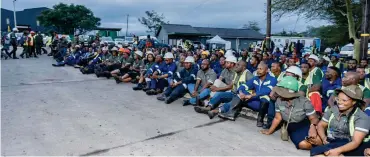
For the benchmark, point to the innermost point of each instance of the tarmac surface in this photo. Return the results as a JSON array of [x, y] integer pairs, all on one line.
[[49, 111]]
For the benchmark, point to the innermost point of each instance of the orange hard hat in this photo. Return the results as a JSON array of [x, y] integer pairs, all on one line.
[[121, 50], [32, 32], [126, 50]]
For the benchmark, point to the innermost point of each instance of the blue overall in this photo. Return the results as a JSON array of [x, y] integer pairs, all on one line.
[[163, 69], [328, 89], [186, 77]]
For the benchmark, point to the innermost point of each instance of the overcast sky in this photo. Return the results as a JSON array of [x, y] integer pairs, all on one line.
[[205, 13]]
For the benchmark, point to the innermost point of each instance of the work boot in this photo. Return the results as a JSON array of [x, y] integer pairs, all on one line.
[[169, 100], [261, 114], [268, 124], [200, 109], [15, 57], [211, 114], [36, 56], [161, 98], [151, 92], [234, 110], [118, 80], [22, 55], [138, 87], [186, 102], [199, 101]]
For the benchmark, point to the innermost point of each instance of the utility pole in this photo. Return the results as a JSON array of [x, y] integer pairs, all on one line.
[[127, 25], [268, 27], [15, 16], [365, 29]]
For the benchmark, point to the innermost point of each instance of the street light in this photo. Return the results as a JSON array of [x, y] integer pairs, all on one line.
[[15, 17]]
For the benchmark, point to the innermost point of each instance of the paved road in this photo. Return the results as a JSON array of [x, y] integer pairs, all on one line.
[[58, 111]]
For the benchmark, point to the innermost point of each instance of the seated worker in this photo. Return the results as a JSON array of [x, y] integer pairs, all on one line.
[[71, 58], [219, 66], [313, 82], [203, 55], [352, 78], [89, 68], [223, 84], [200, 90], [178, 86], [344, 129], [258, 100], [89, 55], [241, 77], [253, 64], [126, 63], [296, 110], [159, 78], [114, 62], [330, 82], [276, 71], [352, 64], [144, 73], [364, 63], [180, 63], [364, 81], [334, 61], [134, 72]]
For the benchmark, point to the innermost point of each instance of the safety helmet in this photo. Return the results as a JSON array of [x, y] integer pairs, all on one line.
[[229, 53], [32, 32], [139, 53], [289, 83], [314, 57], [149, 52], [168, 55], [121, 50], [231, 59], [101, 43], [295, 70], [205, 53], [15, 29], [114, 49], [222, 51], [189, 59]]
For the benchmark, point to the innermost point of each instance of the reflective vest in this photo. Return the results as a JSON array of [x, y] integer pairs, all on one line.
[[309, 81], [29, 42], [351, 125], [241, 80]]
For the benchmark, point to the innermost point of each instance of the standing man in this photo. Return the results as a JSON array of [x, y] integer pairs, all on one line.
[[31, 44], [38, 43], [13, 42]]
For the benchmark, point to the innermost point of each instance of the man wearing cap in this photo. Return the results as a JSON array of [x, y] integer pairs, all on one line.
[[159, 79], [336, 62], [178, 86], [241, 77], [200, 90], [14, 43], [313, 82], [330, 82], [258, 100]]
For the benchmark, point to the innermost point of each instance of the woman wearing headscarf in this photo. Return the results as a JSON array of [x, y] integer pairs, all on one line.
[[297, 111], [344, 128]]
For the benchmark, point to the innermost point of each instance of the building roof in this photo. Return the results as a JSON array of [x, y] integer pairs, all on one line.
[[24, 17], [180, 29], [108, 29], [231, 32]]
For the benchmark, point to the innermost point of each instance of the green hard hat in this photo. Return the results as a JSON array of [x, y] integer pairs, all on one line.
[[289, 82]]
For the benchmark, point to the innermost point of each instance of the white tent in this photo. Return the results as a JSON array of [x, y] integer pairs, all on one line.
[[218, 40]]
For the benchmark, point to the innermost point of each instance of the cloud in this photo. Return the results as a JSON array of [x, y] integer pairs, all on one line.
[[205, 13]]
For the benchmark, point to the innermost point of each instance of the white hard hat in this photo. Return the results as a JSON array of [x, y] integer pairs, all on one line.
[[229, 53], [295, 70], [327, 50], [189, 59], [114, 49], [101, 43], [15, 29], [139, 53], [168, 55], [149, 52], [129, 47], [104, 49], [174, 48], [326, 58], [77, 46], [231, 59], [314, 57]]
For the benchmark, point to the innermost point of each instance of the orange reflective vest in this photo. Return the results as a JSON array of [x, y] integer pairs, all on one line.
[[29, 40]]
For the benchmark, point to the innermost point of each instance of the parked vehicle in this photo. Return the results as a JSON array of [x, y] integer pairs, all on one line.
[[119, 41], [129, 40], [347, 50], [156, 44]]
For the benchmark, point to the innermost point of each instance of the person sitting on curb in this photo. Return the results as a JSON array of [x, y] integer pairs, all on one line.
[[180, 81], [258, 100], [159, 79], [344, 128], [297, 111], [200, 90], [134, 71], [144, 74]]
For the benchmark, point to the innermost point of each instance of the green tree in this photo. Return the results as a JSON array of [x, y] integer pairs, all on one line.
[[338, 12], [152, 21], [68, 19], [253, 25]]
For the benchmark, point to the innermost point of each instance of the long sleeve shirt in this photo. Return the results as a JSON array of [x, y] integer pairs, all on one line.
[[261, 88], [169, 69], [186, 76]]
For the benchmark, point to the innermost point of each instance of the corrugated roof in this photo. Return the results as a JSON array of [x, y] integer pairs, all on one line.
[[177, 28], [230, 32]]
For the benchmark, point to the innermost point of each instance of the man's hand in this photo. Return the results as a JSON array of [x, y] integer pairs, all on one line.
[[333, 152], [367, 152], [266, 132], [194, 94], [214, 89]]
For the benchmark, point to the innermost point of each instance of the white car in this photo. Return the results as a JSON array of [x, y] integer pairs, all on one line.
[[347, 50], [129, 40]]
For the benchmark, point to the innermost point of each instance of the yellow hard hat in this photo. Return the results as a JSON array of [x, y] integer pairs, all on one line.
[[205, 53], [222, 51]]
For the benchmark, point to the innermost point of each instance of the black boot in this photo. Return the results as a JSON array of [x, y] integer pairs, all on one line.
[[186, 102], [169, 100], [117, 79], [261, 113], [162, 97], [268, 124], [138, 87], [236, 106], [211, 114]]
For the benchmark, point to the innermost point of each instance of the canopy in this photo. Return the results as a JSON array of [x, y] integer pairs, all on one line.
[[218, 40]]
